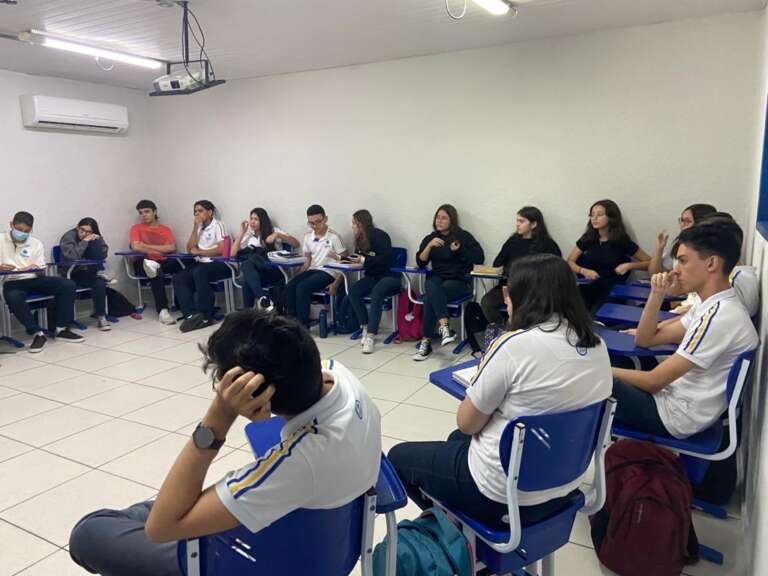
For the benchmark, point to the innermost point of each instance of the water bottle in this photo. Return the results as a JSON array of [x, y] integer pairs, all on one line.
[[323, 324], [227, 248]]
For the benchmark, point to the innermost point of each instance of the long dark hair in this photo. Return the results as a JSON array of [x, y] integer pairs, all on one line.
[[540, 234], [452, 214], [699, 211], [265, 224], [207, 205], [364, 226], [88, 221], [616, 230], [542, 286]]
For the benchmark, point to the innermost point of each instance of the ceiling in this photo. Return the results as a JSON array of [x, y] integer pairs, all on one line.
[[249, 38]]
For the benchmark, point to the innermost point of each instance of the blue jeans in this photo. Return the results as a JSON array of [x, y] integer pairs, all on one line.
[[255, 279], [113, 543], [299, 293], [193, 286], [441, 469], [636, 409], [15, 293], [379, 289], [438, 293]]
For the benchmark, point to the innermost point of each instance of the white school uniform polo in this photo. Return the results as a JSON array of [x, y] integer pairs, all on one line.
[[251, 240], [328, 456], [527, 373], [209, 237], [717, 331], [744, 281], [320, 246], [31, 253]]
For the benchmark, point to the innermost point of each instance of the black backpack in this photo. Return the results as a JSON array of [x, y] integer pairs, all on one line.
[[476, 323], [118, 305]]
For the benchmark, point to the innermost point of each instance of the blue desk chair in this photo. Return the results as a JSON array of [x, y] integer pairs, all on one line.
[[637, 292], [401, 258], [697, 451], [37, 303], [611, 313], [569, 440], [456, 307], [142, 282], [80, 293], [317, 542]]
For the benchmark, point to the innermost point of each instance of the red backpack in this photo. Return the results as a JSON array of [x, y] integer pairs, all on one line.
[[408, 318], [645, 526]]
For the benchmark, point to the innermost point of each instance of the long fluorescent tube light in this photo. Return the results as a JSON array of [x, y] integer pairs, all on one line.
[[495, 7], [44, 39]]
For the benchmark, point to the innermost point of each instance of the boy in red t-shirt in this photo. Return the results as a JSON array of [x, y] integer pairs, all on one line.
[[154, 240]]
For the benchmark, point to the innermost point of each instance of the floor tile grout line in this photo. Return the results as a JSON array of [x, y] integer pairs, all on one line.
[[31, 534], [36, 562]]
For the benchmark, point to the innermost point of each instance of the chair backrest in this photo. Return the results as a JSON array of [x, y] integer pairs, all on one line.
[[557, 447], [401, 256], [738, 375], [317, 542], [56, 254]]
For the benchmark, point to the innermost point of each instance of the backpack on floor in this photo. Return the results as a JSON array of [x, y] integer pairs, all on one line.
[[431, 545], [346, 321], [118, 305], [645, 526], [408, 318]]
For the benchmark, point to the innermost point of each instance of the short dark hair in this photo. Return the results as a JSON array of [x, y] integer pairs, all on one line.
[[278, 347], [542, 286], [717, 237], [146, 204], [315, 209], [24, 218]]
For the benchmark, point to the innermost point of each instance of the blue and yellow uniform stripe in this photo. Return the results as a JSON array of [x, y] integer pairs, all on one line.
[[701, 329], [267, 464], [493, 348]]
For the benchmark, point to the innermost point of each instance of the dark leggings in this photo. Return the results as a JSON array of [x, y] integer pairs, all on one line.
[[438, 293], [636, 409], [89, 278], [379, 288], [441, 469]]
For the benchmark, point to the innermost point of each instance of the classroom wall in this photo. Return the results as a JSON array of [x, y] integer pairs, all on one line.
[[61, 177], [654, 117]]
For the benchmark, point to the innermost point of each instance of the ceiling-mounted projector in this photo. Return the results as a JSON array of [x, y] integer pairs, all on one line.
[[180, 81]]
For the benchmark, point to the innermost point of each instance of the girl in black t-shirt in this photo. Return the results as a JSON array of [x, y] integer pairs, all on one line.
[[605, 253], [531, 237]]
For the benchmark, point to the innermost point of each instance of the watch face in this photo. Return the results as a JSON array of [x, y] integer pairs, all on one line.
[[203, 437]]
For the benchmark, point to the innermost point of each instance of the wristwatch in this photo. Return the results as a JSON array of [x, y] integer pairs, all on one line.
[[205, 439]]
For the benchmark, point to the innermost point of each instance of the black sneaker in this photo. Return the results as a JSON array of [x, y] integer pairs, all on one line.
[[191, 322], [67, 335], [423, 351], [37, 344]]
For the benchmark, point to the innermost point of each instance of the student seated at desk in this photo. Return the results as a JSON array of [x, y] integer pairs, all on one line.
[[328, 454], [258, 237], [154, 240], [321, 246], [193, 284], [453, 252], [693, 214], [531, 237], [373, 249], [686, 393], [20, 252], [86, 243], [550, 360], [607, 252]]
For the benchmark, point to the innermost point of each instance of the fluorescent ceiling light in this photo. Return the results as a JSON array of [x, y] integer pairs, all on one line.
[[44, 39], [495, 7]]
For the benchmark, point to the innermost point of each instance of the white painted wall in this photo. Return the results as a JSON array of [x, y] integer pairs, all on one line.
[[654, 117], [61, 177]]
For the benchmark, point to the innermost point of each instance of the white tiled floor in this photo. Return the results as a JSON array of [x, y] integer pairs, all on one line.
[[98, 424]]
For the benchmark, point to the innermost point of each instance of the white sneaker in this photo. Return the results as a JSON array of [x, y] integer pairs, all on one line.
[[165, 316], [103, 324], [150, 268], [368, 344], [265, 304], [363, 334], [446, 334]]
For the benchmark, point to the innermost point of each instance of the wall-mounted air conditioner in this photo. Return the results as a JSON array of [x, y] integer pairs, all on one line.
[[78, 115]]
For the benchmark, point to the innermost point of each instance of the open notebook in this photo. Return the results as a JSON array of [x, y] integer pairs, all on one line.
[[464, 376]]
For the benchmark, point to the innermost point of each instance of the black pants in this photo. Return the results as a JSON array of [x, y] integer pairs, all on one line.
[[636, 409], [193, 286], [437, 294], [157, 284], [15, 293], [441, 469], [89, 278]]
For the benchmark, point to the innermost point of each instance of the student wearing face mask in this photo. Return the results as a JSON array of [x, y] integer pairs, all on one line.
[[25, 256], [86, 243]]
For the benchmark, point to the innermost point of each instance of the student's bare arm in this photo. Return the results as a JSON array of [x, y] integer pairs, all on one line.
[[657, 379]]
